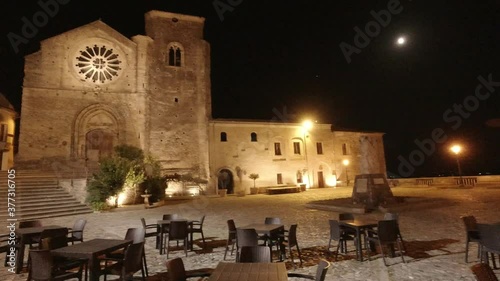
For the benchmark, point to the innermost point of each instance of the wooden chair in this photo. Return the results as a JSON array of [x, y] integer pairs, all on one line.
[[127, 266], [290, 241], [177, 272], [178, 230], [42, 267], [483, 272], [471, 235], [321, 271], [76, 232], [231, 238], [339, 235], [251, 254], [197, 227], [386, 234]]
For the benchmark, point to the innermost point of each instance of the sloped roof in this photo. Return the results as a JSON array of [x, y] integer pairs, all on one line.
[[4, 102]]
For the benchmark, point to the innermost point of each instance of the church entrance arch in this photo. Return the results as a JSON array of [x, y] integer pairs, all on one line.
[[96, 132], [99, 144], [225, 180]]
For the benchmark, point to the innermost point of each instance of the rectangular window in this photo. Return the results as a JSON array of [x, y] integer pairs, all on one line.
[[319, 148], [296, 147], [279, 178], [346, 150], [3, 132], [277, 148]]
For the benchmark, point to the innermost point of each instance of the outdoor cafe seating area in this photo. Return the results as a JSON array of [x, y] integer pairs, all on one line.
[[256, 251]]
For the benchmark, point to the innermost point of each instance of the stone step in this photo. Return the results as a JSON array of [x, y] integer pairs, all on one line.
[[38, 196]]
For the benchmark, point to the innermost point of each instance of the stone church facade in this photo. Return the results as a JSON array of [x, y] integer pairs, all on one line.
[[90, 89]]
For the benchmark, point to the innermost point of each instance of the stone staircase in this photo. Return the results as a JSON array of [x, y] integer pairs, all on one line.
[[37, 196]]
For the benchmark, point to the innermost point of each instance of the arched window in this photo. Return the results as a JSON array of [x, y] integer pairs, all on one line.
[[223, 136], [253, 136], [175, 54]]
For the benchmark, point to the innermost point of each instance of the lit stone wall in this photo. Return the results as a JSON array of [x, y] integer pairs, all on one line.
[[242, 157]]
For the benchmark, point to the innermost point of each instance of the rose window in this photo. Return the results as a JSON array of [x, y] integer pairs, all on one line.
[[98, 64]]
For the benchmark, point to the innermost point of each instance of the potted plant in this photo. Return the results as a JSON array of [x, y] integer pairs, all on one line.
[[254, 190]]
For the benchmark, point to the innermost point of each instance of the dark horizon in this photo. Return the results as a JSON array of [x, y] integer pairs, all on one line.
[[283, 61]]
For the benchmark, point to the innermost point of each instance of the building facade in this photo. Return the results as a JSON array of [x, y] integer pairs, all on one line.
[[7, 129], [90, 89]]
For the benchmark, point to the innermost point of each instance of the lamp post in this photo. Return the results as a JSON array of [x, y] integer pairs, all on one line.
[[306, 126], [346, 163], [457, 149]]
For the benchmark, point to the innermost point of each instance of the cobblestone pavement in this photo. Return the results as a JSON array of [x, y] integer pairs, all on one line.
[[424, 222]]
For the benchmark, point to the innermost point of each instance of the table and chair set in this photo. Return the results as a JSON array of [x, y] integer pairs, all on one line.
[[487, 238], [366, 234]]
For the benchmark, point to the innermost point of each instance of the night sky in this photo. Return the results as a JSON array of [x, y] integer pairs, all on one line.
[[281, 60]]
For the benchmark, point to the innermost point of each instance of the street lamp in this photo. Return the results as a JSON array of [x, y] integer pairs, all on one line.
[[306, 126], [457, 149], [346, 163]]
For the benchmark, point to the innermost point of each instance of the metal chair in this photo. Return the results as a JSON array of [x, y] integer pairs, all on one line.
[[339, 235], [231, 238], [197, 227], [386, 234], [483, 272], [76, 232], [290, 241], [178, 230], [177, 272], [321, 271], [128, 265], [250, 254], [471, 235]]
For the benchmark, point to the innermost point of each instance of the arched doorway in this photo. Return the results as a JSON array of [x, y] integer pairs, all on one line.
[[99, 143], [225, 180]]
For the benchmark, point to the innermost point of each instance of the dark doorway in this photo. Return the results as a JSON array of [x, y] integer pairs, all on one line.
[[225, 180], [98, 144], [321, 180]]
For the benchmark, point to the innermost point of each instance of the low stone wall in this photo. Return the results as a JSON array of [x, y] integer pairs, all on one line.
[[436, 181], [76, 187]]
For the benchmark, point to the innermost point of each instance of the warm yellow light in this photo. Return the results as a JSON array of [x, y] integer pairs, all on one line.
[[308, 124], [456, 149], [401, 41], [345, 162]]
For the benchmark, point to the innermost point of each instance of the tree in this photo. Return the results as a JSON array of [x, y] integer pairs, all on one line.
[[254, 177]]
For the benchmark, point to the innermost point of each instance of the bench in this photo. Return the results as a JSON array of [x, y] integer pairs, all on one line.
[[424, 181], [467, 181], [282, 190]]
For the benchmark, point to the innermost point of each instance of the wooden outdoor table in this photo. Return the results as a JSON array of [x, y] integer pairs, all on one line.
[[91, 250], [25, 236], [249, 272], [359, 225]]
